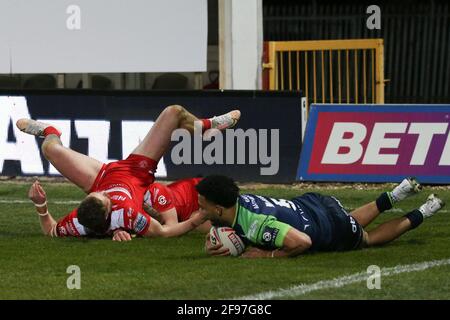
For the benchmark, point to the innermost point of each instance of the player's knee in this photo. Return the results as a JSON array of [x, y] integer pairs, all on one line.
[[174, 111], [48, 147], [365, 242]]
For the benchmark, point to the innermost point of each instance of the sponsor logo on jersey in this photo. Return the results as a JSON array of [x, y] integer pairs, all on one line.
[[62, 231], [253, 229], [250, 199], [118, 198], [70, 228], [162, 200], [140, 223], [143, 164], [269, 235]]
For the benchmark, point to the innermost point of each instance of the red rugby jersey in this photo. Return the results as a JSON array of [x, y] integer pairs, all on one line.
[[180, 195]]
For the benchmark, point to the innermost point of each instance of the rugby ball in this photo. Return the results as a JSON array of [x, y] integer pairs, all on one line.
[[228, 238]]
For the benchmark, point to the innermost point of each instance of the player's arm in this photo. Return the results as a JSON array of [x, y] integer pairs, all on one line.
[[168, 217], [156, 229], [151, 212], [295, 243], [205, 226], [37, 195], [287, 241], [159, 205]]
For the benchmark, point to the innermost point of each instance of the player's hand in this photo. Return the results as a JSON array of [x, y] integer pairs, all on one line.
[[197, 219], [215, 250], [121, 235], [37, 193], [254, 252]]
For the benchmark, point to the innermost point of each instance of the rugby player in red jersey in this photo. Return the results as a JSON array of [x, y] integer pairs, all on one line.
[[116, 190], [174, 202]]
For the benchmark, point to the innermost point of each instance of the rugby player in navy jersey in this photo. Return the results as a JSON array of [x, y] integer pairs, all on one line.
[[309, 223]]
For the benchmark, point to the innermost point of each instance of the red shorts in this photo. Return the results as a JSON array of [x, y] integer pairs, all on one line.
[[137, 169]]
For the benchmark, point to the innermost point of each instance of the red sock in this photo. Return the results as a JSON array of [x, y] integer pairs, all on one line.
[[206, 124], [51, 130]]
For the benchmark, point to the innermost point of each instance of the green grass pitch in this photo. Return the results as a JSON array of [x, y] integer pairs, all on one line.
[[34, 267]]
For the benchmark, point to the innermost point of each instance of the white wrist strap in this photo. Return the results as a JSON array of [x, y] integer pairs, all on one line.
[[40, 205], [273, 253], [43, 214]]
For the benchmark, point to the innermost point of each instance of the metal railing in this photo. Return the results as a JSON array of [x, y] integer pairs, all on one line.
[[328, 71]]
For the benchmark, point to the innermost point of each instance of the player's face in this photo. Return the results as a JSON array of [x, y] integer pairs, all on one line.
[[104, 198], [209, 209]]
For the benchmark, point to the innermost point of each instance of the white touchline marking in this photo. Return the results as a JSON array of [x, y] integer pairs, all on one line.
[[8, 201], [342, 281]]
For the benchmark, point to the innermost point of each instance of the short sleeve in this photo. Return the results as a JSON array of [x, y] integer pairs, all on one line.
[[267, 231], [141, 223], [68, 226], [161, 197]]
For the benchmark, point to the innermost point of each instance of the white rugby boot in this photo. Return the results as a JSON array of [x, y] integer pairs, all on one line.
[[431, 206], [408, 187], [226, 121], [33, 127]]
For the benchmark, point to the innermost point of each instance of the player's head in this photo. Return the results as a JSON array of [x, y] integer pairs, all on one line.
[[94, 210], [216, 194]]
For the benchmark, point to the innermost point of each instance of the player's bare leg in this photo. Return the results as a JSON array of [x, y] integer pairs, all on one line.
[[388, 231], [157, 141], [367, 213], [76, 167], [393, 229]]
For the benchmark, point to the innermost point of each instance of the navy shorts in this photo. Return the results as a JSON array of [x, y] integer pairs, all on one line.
[[348, 233], [337, 230]]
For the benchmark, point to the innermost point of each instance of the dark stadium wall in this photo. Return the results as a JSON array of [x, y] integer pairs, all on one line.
[[108, 125], [415, 33]]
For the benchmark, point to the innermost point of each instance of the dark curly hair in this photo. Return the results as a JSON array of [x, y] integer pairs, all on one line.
[[219, 189]]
